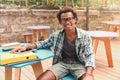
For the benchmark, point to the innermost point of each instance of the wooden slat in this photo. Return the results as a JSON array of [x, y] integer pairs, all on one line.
[[2, 73]]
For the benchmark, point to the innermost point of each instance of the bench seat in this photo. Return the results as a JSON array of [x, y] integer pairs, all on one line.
[[68, 77]]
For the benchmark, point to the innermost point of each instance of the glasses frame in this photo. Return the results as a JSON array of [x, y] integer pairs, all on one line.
[[69, 19]]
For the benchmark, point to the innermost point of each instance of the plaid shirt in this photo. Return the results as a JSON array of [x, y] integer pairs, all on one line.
[[83, 46]]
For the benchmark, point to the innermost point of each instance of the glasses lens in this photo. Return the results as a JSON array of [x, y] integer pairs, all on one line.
[[67, 19]]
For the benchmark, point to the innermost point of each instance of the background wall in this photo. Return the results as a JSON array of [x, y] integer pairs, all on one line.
[[13, 22]]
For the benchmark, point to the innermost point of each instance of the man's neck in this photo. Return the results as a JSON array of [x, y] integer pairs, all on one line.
[[70, 32]]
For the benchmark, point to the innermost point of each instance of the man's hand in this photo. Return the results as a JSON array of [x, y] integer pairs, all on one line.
[[23, 48], [89, 74], [87, 77], [19, 49]]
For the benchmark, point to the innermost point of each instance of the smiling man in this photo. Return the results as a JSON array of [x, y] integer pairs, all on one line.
[[72, 49]]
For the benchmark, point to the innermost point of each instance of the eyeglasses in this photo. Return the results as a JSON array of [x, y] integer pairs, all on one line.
[[67, 19]]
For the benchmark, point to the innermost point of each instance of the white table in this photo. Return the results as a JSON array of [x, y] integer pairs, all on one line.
[[104, 36], [111, 22], [113, 26], [36, 30]]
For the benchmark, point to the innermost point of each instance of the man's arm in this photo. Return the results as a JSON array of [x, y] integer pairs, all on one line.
[[90, 60], [24, 48], [31, 46], [89, 74], [89, 54], [89, 70]]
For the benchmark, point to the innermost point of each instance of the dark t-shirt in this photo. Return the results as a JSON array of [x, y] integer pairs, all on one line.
[[69, 51]]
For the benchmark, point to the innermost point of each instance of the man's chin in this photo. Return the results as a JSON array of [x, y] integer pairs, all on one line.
[[69, 27]]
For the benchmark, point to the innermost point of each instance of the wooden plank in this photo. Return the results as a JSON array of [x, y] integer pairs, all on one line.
[[2, 73]]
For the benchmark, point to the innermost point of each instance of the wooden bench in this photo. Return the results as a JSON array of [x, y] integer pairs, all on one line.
[[39, 31], [68, 77], [99, 28], [28, 37]]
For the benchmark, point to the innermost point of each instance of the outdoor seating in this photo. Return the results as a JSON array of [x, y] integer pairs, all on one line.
[[38, 31], [105, 37], [99, 28], [28, 37], [42, 54], [68, 77], [29, 21]]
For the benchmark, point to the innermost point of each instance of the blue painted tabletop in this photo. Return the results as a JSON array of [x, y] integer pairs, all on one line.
[[42, 54]]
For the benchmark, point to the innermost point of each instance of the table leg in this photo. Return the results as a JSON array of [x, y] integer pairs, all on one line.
[[113, 28], [95, 45], [107, 48], [118, 31], [38, 34], [37, 68], [108, 51], [8, 73], [17, 73], [34, 36], [45, 34], [107, 27]]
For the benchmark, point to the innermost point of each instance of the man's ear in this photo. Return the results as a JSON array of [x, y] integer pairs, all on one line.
[[75, 21], [59, 22]]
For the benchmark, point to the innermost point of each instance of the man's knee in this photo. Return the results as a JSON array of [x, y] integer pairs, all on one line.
[[81, 77], [47, 75]]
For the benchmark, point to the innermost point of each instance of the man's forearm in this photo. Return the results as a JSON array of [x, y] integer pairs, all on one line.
[[89, 70], [31, 46]]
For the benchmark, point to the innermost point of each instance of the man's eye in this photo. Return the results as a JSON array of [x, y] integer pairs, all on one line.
[[67, 19]]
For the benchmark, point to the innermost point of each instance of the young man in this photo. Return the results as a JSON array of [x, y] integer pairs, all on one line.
[[72, 49]]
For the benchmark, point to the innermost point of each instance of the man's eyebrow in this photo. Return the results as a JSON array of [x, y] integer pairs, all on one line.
[[67, 17]]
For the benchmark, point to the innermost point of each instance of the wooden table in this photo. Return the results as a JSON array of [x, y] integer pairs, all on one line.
[[42, 54], [37, 30], [113, 26], [104, 36]]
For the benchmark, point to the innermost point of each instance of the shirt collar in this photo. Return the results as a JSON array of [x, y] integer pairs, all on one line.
[[78, 30]]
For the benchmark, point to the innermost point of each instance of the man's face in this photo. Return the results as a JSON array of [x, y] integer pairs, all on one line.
[[68, 21]]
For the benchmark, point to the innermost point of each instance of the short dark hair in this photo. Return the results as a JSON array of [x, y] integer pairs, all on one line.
[[65, 10]]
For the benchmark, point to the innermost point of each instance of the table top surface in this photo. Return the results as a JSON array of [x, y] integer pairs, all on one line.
[[39, 27], [42, 54], [102, 34], [111, 22]]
